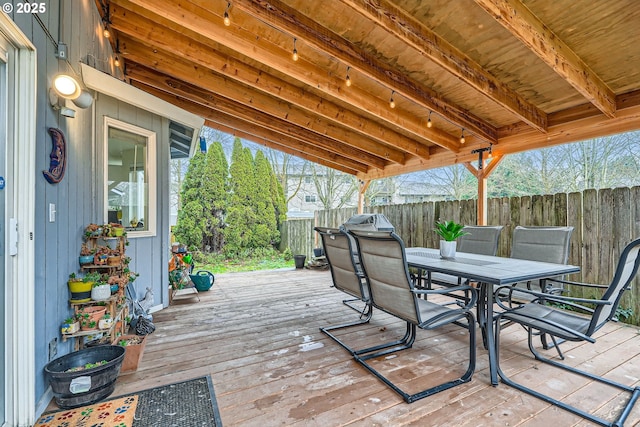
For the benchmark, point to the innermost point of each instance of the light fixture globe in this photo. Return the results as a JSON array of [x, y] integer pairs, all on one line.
[[66, 86]]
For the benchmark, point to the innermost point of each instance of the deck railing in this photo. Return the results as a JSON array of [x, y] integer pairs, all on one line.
[[604, 222]]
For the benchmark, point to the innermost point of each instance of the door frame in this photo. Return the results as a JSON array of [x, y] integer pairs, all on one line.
[[19, 313]]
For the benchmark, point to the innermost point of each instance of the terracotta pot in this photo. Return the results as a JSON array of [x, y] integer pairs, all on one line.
[[95, 312]]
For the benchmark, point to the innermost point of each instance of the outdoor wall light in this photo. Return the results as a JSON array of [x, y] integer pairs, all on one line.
[[67, 87]]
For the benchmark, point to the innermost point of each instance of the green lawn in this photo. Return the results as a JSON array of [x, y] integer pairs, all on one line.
[[217, 263]]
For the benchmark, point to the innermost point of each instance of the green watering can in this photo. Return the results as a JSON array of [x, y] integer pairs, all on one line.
[[203, 280]]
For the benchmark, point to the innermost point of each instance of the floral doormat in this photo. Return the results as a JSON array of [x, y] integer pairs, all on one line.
[[112, 413]]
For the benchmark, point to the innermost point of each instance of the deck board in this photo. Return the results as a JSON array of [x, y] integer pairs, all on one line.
[[257, 334]]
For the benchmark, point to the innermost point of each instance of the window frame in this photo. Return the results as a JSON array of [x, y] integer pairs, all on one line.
[[150, 167]]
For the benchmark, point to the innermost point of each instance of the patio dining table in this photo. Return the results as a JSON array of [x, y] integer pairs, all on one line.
[[487, 271]]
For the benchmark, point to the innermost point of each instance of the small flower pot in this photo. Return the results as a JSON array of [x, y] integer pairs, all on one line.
[[70, 328], [85, 259], [299, 260], [117, 231], [113, 260], [447, 249], [105, 323], [101, 292], [80, 291]]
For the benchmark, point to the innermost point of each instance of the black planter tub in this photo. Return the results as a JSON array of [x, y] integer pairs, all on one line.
[[87, 386]]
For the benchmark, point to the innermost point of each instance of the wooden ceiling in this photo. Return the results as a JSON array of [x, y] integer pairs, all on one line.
[[515, 75]]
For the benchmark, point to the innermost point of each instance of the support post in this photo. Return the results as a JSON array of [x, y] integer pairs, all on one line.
[[482, 174], [362, 188]]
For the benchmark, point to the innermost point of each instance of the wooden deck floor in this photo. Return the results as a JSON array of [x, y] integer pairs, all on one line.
[[257, 335]]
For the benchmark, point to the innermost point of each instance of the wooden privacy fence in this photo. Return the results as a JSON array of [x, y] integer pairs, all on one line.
[[604, 222]]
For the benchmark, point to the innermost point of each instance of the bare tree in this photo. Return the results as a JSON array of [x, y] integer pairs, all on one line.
[[335, 189]]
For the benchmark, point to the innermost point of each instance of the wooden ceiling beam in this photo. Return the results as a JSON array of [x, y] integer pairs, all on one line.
[[236, 126], [626, 120], [384, 141], [279, 145], [411, 32], [287, 19], [201, 21], [218, 103], [574, 114], [528, 28]]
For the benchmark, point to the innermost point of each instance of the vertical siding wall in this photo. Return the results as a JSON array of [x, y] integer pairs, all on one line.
[[604, 222]]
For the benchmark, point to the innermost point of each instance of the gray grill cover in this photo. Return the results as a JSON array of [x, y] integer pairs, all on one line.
[[368, 222], [364, 222]]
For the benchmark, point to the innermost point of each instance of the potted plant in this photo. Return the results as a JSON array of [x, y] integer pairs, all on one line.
[[101, 290], [70, 326], [105, 322], [80, 288], [117, 230], [87, 322], [92, 230], [86, 255], [449, 231], [91, 313], [134, 347]]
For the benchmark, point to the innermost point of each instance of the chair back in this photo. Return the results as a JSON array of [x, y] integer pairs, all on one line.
[[385, 267], [545, 244], [626, 270], [337, 249], [481, 240]]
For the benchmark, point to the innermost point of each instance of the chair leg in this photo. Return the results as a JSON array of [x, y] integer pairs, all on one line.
[[410, 398], [365, 317], [619, 422], [363, 311]]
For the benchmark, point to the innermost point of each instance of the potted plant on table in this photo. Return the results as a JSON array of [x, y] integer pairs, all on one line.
[[449, 231]]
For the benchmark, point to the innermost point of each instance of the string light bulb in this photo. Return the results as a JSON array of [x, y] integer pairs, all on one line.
[[348, 79], [490, 151], [295, 51], [462, 140], [429, 122], [116, 61], [392, 103], [226, 19], [105, 31]]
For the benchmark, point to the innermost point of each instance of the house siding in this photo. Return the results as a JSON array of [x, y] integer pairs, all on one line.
[[79, 197]]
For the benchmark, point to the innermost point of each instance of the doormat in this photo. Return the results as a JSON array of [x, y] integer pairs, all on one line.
[[111, 413], [190, 403]]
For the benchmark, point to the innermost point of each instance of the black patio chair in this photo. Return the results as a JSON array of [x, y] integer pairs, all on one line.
[[539, 316], [347, 277], [385, 267]]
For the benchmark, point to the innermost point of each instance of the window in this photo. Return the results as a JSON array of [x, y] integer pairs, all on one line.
[[130, 187], [310, 198], [307, 180]]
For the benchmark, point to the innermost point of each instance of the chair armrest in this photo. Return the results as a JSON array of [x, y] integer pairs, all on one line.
[[569, 282], [445, 291], [546, 297]]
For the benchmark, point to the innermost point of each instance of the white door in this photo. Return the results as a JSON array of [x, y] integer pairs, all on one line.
[[3, 156], [17, 153]]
